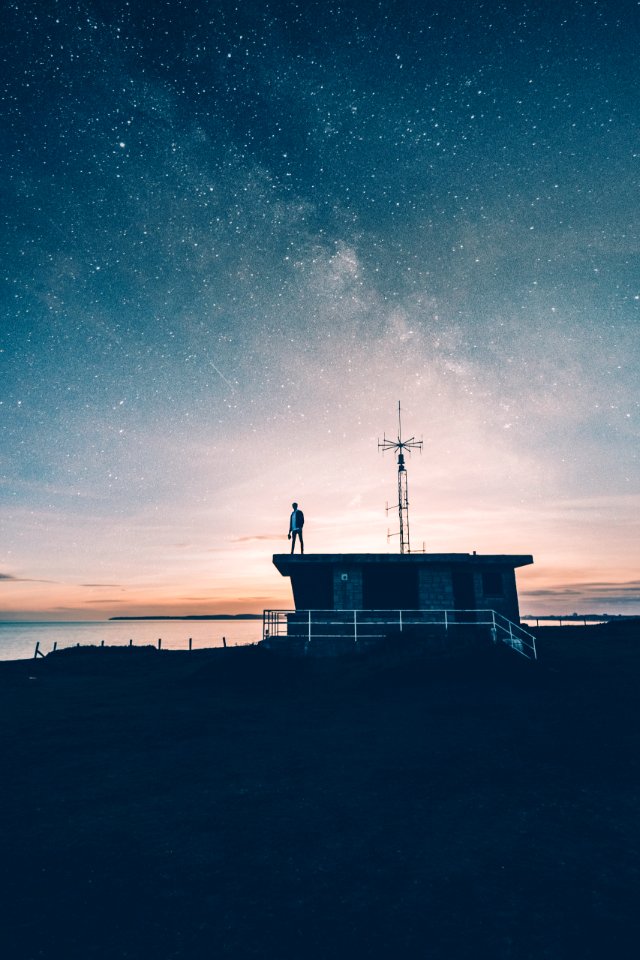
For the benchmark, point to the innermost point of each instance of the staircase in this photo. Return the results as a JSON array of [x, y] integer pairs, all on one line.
[[514, 636]]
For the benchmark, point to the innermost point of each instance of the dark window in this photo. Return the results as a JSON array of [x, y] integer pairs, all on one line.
[[313, 587], [492, 583], [464, 596], [389, 587]]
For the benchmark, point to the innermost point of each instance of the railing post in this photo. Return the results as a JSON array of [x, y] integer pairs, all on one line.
[[446, 620], [400, 616], [309, 633], [355, 626]]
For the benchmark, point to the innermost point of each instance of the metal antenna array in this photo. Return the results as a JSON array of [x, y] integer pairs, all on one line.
[[400, 446]]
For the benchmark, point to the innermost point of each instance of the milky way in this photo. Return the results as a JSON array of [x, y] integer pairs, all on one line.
[[235, 235]]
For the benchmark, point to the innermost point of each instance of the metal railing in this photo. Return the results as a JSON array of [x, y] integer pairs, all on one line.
[[514, 636], [358, 625]]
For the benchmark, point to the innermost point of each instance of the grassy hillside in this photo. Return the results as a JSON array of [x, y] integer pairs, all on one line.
[[233, 804]]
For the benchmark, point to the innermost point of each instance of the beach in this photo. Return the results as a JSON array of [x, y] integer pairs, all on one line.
[[233, 803]]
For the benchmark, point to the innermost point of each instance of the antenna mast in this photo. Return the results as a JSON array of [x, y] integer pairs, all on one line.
[[400, 446]]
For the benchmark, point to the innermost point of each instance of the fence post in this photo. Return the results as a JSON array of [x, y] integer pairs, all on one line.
[[159, 643], [309, 627], [55, 645], [130, 642], [446, 621], [224, 642], [400, 618], [190, 643], [355, 626]]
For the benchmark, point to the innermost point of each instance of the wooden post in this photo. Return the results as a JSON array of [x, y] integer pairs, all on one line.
[[55, 645], [102, 643], [130, 642], [36, 651], [224, 642], [159, 643], [190, 644]]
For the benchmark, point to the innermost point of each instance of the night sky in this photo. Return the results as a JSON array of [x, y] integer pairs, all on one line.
[[235, 235]]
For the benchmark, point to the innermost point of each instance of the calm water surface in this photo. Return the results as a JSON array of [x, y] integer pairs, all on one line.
[[18, 640]]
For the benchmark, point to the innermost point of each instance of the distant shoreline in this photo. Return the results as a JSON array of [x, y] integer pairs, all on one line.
[[212, 616]]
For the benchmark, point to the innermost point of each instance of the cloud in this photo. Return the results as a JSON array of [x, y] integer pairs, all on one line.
[[9, 578], [115, 586], [608, 598], [590, 592], [258, 536], [628, 588], [561, 592], [105, 600]]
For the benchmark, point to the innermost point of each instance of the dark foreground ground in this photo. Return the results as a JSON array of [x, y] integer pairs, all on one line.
[[231, 804]]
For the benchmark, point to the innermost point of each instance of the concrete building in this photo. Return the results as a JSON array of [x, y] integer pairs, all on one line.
[[361, 596], [414, 581]]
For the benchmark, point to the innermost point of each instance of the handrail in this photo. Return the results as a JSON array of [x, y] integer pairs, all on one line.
[[276, 624], [515, 636]]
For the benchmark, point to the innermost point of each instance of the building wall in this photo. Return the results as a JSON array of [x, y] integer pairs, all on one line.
[[505, 603], [511, 607], [481, 601], [347, 584], [435, 589], [347, 588]]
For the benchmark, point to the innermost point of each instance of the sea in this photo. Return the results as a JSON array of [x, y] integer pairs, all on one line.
[[18, 640]]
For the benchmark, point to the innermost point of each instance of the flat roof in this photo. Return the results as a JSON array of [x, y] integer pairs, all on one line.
[[287, 563]]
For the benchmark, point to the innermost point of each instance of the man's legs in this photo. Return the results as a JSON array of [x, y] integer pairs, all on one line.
[[294, 534]]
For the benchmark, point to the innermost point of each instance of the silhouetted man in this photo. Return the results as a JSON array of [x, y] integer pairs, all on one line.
[[296, 523]]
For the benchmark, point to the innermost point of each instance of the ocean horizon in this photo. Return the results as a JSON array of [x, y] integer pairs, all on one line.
[[18, 638]]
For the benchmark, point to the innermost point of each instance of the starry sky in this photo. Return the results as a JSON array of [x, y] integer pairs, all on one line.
[[236, 234]]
